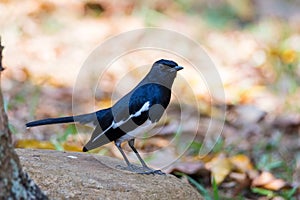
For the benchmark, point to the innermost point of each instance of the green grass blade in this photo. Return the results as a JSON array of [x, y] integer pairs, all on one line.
[[215, 189]]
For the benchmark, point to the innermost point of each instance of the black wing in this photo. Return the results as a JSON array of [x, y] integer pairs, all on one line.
[[157, 95], [145, 102]]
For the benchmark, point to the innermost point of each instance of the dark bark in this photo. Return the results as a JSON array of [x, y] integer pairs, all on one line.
[[14, 182], [1, 49]]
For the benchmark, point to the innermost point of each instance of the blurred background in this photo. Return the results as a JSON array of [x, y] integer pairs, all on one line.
[[254, 44]]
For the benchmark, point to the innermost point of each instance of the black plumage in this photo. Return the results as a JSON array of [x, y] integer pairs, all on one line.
[[135, 113]]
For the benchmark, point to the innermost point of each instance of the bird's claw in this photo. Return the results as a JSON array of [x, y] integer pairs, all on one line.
[[140, 170], [152, 171], [132, 168]]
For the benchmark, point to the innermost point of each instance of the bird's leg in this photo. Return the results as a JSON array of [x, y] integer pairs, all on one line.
[[146, 169], [118, 145], [131, 144], [130, 166]]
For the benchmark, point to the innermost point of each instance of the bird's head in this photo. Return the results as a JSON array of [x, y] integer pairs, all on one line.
[[166, 66], [163, 72]]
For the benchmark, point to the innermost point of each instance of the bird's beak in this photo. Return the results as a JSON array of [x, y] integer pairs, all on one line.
[[178, 68]]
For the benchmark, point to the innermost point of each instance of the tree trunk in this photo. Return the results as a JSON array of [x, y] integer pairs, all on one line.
[[14, 182]]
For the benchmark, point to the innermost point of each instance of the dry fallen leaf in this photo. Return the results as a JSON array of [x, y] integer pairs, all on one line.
[[268, 181], [34, 144], [206, 158], [288, 56], [285, 121], [190, 168], [263, 178], [70, 147], [241, 163], [220, 166], [239, 177], [153, 143], [245, 114], [275, 185], [278, 198]]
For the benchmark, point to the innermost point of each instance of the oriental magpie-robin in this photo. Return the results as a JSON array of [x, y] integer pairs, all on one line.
[[134, 114]]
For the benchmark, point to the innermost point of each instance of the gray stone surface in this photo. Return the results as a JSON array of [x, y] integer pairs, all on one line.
[[68, 175]]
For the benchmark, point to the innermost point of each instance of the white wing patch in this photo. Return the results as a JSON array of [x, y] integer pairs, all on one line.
[[145, 107], [115, 125], [112, 124]]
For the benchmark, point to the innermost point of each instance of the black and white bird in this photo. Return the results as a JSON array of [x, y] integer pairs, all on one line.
[[134, 114]]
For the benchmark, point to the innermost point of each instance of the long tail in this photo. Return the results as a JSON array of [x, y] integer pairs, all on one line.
[[83, 119], [51, 121]]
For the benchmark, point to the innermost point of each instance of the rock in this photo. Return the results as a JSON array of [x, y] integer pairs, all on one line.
[[69, 175]]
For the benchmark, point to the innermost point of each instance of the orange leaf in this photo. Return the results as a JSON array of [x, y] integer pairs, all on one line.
[[220, 167], [241, 162], [70, 147], [263, 179], [268, 181], [104, 103], [34, 144], [288, 56], [275, 185]]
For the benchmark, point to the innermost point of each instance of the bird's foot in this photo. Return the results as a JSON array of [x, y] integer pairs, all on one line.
[[148, 171], [131, 168], [140, 170]]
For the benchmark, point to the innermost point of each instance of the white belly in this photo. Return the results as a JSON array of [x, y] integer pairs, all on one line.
[[148, 125]]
